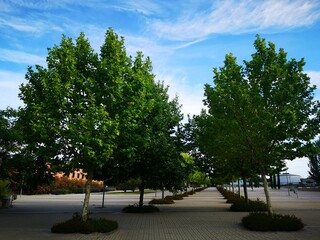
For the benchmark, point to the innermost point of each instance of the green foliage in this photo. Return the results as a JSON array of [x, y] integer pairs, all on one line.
[[274, 222], [130, 184], [177, 197], [5, 190], [140, 209], [239, 204], [251, 206], [198, 178], [259, 113], [77, 225], [147, 147], [314, 163], [166, 200], [73, 105]]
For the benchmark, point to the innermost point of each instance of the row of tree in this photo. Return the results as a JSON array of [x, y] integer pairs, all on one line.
[[105, 114], [102, 113], [258, 114]]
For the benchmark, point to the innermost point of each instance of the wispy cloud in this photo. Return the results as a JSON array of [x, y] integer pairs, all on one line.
[[20, 57], [233, 16], [145, 7], [22, 25], [40, 5]]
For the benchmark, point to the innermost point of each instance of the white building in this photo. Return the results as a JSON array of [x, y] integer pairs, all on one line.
[[287, 178]]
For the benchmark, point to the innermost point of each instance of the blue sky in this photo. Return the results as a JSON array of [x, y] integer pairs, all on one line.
[[184, 38]]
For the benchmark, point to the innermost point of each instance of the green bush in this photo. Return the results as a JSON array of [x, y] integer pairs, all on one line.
[[233, 197], [5, 190], [143, 209], [76, 225], [274, 222], [250, 206], [162, 201], [177, 197], [130, 184], [185, 194]]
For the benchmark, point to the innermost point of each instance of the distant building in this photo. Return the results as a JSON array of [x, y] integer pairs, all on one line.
[[287, 179]]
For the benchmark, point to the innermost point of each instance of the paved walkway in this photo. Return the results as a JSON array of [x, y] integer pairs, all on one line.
[[202, 216]]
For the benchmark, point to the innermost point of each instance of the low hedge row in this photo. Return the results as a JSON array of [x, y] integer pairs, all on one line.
[[239, 203], [172, 198], [257, 220]]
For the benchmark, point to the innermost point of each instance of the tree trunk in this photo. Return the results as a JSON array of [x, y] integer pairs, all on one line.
[[87, 197], [232, 184], [162, 193], [274, 181], [266, 191], [103, 195], [245, 190], [141, 189], [271, 181], [278, 175], [239, 187]]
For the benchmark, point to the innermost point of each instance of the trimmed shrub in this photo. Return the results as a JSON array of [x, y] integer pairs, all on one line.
[[177, 197], [233, 197], [76, 225], [274, 222], [250, 206], [166, 200], [143, 209]]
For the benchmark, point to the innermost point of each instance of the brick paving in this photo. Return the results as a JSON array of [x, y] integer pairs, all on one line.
[[202, 216]]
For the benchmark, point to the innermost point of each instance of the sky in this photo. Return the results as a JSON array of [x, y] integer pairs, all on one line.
[[185, 39]]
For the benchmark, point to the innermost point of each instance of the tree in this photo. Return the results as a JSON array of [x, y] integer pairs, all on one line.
[[265, 106], [146, 147], [155, 158], [70, 106], [314, 164], [6, 141], [9, 144]]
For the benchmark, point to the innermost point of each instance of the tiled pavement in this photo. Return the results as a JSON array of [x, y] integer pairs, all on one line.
[[201, 216]]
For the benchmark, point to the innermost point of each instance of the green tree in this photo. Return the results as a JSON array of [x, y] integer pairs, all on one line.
[[10, 142], [156, 160], [68, 114], [7, 139], [229, 159], [314, 164], [146, 146], [266, 105]]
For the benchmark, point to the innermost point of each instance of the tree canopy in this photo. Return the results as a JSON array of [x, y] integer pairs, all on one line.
[[260, 112], [90, 111]]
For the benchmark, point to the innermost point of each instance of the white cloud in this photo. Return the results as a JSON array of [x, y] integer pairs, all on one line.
[[233, 16], [314, 77], [20, 57], [10, 80], [189, 96], [298, 166], [9, 85], [148, 46]]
